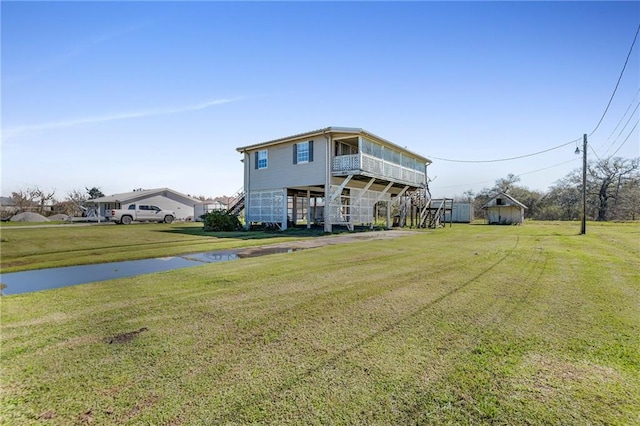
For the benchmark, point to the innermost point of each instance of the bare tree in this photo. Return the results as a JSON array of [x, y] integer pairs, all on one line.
[[627, 201], [75, 199], [608, 176], [23, 200], [43, 198], [33, 199]]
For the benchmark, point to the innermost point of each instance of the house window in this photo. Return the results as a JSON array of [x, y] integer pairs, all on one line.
[[303, 152], [499, 202], [261, 159]]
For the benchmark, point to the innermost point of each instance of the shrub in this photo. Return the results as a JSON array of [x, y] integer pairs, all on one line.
[[220, 221]]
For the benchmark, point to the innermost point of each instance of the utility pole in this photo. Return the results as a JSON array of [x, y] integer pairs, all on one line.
[[583, 227]]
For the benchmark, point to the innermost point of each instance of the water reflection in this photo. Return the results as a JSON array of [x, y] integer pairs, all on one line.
[[44, 279]]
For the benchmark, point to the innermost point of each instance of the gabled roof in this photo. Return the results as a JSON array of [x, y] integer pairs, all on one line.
[[126, 196], [502, 194], [332, 129], [7, 201]]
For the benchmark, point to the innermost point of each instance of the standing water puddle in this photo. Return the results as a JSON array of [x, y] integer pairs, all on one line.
[[44, 279]]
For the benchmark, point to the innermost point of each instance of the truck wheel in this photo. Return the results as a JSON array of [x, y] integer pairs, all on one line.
[[126, 220], [168, 219]]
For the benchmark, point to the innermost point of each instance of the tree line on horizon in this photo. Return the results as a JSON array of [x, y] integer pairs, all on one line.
[[612, 193]]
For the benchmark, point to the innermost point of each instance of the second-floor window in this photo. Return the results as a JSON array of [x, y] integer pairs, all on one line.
[[262, 159], [303, 152]]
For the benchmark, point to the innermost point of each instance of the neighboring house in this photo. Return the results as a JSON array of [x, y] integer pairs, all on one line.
[[503, 209], [164, 198], [334, 176], [8, 207]]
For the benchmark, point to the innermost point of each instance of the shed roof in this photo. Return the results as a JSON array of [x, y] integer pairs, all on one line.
[[503, 194], [326, 130]]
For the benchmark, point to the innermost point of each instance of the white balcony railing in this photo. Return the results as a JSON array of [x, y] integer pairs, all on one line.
[[376, 166], [346, 163]]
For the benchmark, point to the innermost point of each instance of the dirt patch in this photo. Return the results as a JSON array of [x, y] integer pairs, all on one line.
[[125, 337], [47, 415], [324, 241], [548, 376], [263, 251], [142, 405], [86, 417]]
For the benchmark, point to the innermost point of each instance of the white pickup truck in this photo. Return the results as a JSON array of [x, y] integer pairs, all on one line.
[[141, 213]]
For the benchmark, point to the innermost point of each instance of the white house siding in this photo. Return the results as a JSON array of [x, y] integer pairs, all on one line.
[[281, 172]]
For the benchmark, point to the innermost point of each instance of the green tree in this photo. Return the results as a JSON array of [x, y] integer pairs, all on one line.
[[220, 221], [563, 200], [94, 192]]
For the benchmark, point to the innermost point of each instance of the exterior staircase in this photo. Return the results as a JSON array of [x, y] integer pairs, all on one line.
[[436, 218], [430, 212], [237, 203]]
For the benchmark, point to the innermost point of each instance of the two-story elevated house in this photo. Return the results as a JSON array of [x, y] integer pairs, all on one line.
[[334, 176]]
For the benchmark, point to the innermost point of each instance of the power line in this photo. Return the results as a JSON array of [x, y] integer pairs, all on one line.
[[518, 175], [618, 83], [623, 127], [505, 159], [624, 67], [548, 167], [594, 151], [626, 139], [622, 118]]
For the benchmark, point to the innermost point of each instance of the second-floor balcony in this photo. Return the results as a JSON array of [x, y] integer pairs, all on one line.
[[375, 167]]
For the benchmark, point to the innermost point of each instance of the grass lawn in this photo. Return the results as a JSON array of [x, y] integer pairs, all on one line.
[[472, 324], [67, 245], [4, 225]]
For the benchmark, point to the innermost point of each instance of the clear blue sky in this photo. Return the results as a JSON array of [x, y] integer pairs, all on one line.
[[159, 94]]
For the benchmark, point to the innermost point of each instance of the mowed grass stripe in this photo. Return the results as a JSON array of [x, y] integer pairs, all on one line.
[[458, 326], [384, 323]]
